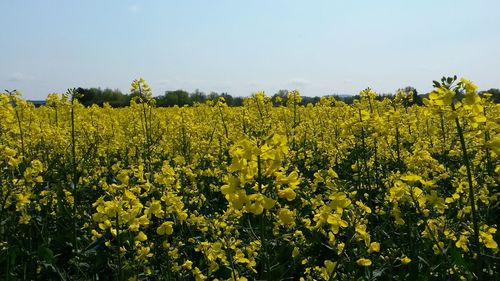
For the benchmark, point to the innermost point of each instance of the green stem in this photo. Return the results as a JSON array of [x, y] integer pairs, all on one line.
[[431, 233], [21, 133], [263, 223], [75, 176], [364, 154], [442, 130], [120, 274], [397, 146], [465, 157]]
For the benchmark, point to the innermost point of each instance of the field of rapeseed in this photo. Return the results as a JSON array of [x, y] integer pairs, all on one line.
[[377, 190]]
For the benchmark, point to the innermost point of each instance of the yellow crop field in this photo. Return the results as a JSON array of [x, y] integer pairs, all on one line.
[[374, 190]]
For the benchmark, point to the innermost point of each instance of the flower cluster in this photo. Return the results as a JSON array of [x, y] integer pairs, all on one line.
[[379, 189]]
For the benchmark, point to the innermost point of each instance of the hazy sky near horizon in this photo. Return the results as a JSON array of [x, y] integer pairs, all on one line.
[[239, 47]]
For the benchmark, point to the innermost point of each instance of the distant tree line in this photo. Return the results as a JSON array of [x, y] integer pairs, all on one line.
[[181, 98], [495, 94], [116, 98], [98, 96]]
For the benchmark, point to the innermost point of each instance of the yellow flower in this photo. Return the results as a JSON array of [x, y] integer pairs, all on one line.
[[22, 200], [335, 222], [95, 234], [411, 178], [462, 243], [286, 216], [187, 264], [487, 239], [437, 249], [287, 193], [468, 85], [364, 262], [330, 266], [374, 247], [165, 228], [295, 252], [141, 237], [24, 219], [405, 260]]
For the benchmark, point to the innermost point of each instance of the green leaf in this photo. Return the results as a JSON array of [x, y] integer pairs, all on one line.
[[457, 257], [423, 260], [46, 254]]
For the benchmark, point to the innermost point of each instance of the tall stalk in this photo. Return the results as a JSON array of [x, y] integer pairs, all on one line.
[[364, 154], [465, 158], [21, 133], [74, 168], [118, 247], [147, 129], [443, 133], [18, 118], [263, 223], [397, 146], [226, 132]]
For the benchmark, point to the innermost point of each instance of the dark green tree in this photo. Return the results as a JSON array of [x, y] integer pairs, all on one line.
[[495, 94]]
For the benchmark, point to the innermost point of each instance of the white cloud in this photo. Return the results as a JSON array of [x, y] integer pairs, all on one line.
[[19, 77], [299, 82], [133, 8]]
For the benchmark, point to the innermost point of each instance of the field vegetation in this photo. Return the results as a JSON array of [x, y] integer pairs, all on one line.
[[380, 189]]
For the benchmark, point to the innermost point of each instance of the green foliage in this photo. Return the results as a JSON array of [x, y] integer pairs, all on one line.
[[495, 94], [97, 96]]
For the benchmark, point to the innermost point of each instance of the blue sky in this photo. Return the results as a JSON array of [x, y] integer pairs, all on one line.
[[239, 47]]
